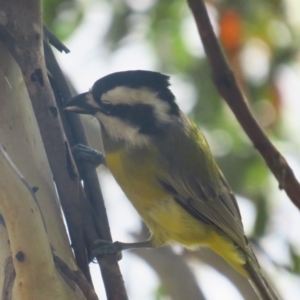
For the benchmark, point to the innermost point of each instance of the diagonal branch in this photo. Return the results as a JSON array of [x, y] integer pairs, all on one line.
[[227, 86]]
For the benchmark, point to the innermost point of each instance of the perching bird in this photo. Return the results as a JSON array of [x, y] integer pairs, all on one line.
[[164, 165]]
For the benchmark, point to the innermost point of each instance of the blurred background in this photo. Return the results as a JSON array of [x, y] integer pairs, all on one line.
[[261, 40]]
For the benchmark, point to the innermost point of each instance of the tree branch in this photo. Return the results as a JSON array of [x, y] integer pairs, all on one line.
[[28, 239], [227, 86], [23, 36], [54, 41], [95, 211]]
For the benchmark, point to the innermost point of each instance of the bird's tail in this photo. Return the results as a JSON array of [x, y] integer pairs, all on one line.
[[259, 283]]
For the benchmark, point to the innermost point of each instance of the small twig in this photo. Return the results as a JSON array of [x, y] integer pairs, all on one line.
[[228, 88], [54, 41]]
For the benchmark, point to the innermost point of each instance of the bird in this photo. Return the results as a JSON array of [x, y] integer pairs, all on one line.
[[163, 163]]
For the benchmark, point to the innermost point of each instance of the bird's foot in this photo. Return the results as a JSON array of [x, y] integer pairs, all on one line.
[[105, 247], [83, 153]]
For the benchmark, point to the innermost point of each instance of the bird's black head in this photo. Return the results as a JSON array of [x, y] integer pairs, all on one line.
[[129, 103]]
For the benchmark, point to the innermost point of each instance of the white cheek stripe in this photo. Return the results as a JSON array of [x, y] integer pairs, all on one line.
[[119, 130], [126, 95]]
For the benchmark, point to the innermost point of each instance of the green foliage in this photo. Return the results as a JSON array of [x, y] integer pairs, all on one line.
[[160, 293], [295, 260], [262, 217], [62, 17]]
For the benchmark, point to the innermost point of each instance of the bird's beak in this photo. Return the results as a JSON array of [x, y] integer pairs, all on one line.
[[78, 104]]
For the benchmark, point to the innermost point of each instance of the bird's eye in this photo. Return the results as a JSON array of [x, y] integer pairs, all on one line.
[[107, 108]]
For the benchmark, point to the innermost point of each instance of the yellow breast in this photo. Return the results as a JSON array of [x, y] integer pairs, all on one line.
[[138, 174]]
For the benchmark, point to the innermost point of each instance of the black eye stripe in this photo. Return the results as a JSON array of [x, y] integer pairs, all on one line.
[[107, 109], [128, 112], [140, 115]]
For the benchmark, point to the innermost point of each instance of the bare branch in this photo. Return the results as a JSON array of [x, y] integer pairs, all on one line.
[[54, 41], [94, 212], [228, 88]]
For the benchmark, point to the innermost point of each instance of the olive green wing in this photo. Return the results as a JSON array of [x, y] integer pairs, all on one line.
[[213, 204]]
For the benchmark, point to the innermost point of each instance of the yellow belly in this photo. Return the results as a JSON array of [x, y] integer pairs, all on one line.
[[166, 219]]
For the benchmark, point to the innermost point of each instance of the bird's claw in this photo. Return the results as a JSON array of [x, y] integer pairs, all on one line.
[[85, 154], [105, 247]]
